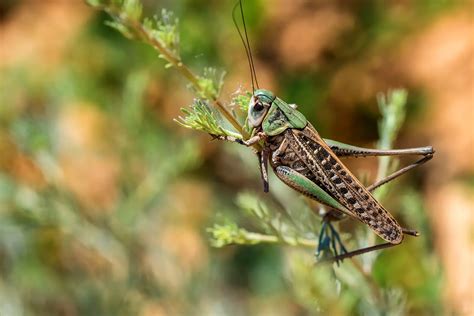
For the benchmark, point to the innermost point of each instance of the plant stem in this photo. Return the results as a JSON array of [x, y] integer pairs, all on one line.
[[146, 37], [257, 237]]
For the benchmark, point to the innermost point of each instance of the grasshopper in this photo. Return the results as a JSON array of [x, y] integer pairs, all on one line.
[[312, 166]]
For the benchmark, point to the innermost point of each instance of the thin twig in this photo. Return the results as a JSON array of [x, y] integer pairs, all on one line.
[[146, 37]]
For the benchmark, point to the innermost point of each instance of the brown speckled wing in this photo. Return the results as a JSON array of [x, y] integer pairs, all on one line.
[[326, 170]]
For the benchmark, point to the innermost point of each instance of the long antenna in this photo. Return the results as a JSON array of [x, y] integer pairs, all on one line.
[[246, 43]]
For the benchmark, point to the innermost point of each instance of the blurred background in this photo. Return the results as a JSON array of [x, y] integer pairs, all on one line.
[[105, 201]]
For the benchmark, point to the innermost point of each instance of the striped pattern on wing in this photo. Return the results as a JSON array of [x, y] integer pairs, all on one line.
[[332, 176]]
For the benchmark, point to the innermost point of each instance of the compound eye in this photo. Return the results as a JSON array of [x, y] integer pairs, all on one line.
[[258, 106], [256, 112]]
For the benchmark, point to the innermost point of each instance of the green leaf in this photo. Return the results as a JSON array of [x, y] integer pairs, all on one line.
[[200, 116], [165, 30], [210, 83], [133, 9]]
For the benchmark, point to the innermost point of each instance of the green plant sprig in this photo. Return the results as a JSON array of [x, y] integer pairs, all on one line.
[[200, 116], [161, 33], [230, 234]]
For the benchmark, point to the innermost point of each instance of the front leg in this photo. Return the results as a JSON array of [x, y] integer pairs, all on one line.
[[249, 142], [263, 159]]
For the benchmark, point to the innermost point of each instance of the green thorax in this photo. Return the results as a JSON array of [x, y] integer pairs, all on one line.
[[282, 116]]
